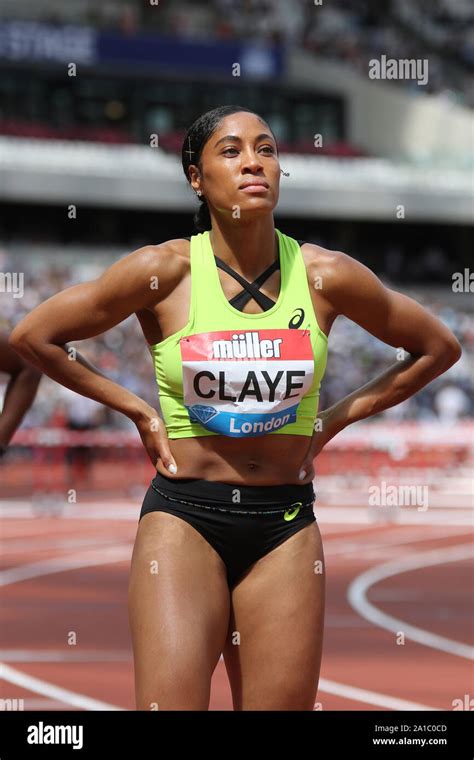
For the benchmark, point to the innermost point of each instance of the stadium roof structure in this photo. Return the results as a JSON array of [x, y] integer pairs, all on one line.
[[142, 177]]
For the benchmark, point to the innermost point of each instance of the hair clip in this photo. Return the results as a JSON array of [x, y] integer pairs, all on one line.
[[189, 151]]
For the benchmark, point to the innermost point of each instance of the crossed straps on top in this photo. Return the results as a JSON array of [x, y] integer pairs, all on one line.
[[251, 291]]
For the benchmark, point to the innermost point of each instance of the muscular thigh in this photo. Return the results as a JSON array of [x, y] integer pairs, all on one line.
[[274, 644], [179, 612]]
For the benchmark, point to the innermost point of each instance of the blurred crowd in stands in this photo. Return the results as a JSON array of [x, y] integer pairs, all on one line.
[[355, 357], [354, 31]]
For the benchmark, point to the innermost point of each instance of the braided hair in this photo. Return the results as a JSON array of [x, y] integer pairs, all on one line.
[[193, 144]]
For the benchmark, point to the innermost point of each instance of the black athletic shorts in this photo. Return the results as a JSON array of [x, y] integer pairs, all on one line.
[[242, 523]]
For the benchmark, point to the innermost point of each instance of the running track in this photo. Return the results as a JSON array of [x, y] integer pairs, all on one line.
[[70, 573]]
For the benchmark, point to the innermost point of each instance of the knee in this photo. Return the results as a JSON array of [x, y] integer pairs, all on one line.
[[173, 687], [282, 696], [173, 699]]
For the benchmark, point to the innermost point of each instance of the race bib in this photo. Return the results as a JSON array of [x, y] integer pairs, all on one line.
[[246, 383]]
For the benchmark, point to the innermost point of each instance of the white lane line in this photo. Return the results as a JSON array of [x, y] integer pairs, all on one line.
[[90, 558], [18, 678], [357, 597], [60, 655], [338, 530], [53, 566], [364, 695], [369, 697], [124, 510], [392, 532], [43, 703], [380, 543], [34, 570], [16, 545], [362, 516]]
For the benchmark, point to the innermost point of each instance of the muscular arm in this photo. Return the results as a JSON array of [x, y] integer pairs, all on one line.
[[349, 288], [399, 321], [20, 392], [89, 309], [352, 290]]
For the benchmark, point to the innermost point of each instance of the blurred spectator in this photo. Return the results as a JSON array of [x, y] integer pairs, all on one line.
[[451, 403], [23, 380], [353, 31]]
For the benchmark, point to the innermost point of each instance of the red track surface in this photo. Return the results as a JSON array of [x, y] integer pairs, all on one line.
[[39, 612]]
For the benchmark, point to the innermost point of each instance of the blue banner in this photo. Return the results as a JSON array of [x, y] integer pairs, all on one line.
[[23, 41]]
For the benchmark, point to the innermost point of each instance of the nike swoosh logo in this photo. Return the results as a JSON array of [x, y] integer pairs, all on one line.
[[290, 514]]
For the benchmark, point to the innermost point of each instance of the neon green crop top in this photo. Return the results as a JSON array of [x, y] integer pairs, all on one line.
[[242, 375]]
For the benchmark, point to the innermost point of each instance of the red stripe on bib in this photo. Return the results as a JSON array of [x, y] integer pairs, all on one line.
[[247, 345]]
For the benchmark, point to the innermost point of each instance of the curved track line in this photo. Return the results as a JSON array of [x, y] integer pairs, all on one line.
[[14, 575], [12, 675], [367, 543], [357, 591], [119, 553], [369, 697]]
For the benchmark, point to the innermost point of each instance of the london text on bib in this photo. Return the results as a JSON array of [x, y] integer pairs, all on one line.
[[246, 383]]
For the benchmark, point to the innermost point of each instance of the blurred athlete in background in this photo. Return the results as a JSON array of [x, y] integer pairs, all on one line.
[[20, 393]]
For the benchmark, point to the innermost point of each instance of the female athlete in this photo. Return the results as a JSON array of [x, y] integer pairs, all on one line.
[[228, 555]]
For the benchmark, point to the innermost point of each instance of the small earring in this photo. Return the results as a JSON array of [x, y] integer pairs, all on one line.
[[286, 174], [199, 192]]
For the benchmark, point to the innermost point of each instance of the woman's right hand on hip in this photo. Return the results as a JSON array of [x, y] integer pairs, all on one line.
[[154, 435]]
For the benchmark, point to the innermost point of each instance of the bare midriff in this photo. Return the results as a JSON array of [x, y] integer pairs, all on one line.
[[263, 460]]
